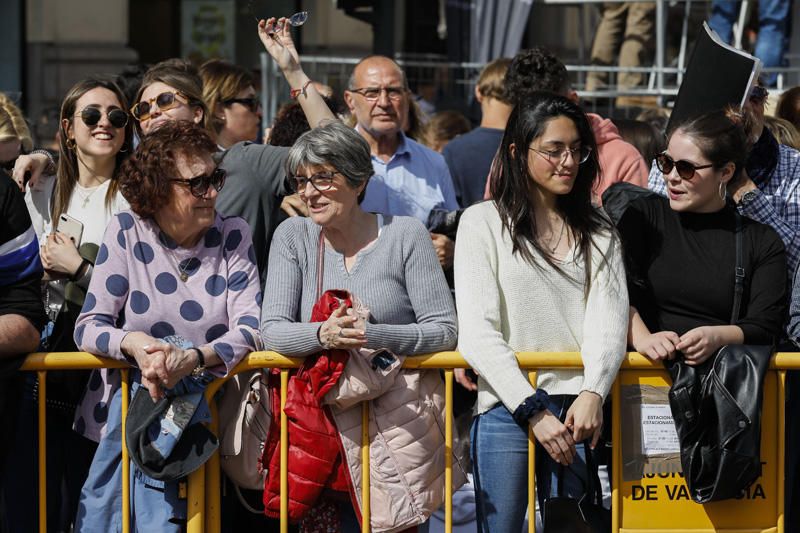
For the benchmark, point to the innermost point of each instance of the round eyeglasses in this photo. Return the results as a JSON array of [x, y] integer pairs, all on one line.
[[580, 154]]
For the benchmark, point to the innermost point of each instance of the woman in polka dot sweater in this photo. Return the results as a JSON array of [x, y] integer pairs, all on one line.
[[172, 268]]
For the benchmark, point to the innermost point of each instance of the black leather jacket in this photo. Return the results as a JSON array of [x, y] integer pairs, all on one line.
[[717, 413]]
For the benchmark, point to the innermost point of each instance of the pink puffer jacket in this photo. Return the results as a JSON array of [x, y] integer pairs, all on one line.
[[407, 454]]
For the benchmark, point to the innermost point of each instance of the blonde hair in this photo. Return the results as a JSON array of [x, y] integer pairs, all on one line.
[[13, 125], [492, 80], [783, 130], [222, 81]]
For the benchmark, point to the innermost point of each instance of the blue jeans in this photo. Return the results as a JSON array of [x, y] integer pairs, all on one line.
[[773, 16], [155, 504], [500, 467]]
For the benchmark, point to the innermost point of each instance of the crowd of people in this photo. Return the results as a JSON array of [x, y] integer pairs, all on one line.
[[162, 235]]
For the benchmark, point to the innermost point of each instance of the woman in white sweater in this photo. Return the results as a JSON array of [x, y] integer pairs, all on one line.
[[538, 269]]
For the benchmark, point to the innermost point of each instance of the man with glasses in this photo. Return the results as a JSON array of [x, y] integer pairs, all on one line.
[[409, 179]]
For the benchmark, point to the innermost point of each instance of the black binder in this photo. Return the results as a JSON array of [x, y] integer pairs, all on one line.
[[717, 75]]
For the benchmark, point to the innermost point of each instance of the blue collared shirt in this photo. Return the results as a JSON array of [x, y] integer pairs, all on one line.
[[413, 182], [777, 203]]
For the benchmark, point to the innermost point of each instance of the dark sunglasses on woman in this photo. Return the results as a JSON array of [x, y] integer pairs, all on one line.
[[252, 103], [686, 170], [164, 101], [92, 115], [199, 185]]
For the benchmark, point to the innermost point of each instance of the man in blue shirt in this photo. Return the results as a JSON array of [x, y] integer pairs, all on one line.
[[410, 179]]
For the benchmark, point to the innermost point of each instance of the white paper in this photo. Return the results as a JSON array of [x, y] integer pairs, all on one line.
[[658, 430]]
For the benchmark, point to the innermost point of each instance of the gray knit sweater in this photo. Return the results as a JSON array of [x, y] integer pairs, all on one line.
[[398, 278]]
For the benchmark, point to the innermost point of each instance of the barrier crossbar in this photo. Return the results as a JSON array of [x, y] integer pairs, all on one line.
[[203, 505]]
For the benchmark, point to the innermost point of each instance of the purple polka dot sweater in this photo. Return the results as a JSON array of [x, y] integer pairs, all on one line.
[[138, 285]]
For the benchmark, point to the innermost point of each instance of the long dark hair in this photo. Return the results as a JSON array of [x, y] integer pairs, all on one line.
[[67, 173], [512, 186]]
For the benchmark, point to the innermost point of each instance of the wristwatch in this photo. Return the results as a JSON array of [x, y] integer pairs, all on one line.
[[748, 197], [201, 362]]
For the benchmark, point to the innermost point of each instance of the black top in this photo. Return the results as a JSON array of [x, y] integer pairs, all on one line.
[[21, 275], [469, 158], [681, 266]]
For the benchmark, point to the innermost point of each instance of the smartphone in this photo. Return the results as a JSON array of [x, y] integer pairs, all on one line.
[[71, 227]]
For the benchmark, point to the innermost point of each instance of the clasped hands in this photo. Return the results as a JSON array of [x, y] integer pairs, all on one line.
[[162, 364], [343, 330], [697, 345]]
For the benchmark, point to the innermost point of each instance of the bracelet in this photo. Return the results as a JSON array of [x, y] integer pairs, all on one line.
[[77, 274], [50, 169], [201, 362], [532, 405], [294, 93]]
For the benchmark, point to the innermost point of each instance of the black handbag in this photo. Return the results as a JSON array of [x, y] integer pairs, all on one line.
[[717, 411], [562, 514]]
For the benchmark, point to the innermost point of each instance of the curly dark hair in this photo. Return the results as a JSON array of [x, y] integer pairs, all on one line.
[[144, 177], [536, 70]]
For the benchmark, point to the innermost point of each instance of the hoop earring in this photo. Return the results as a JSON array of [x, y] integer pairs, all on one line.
[[722, 191], [70, 146], [123, 150]]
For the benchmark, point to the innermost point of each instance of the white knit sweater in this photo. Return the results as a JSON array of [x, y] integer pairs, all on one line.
[[505, 305]]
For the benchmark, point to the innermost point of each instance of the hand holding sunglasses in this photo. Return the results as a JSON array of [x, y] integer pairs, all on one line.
[[686, 170], [199, 185], [91, 116]]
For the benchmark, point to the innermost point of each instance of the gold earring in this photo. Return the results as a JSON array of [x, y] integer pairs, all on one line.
[[72, 145]]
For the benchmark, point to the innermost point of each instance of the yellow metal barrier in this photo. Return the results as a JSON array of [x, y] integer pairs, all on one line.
[[203, 504]]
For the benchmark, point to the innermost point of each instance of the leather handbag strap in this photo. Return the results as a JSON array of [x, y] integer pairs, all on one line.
[[320, 263], [738, 287]]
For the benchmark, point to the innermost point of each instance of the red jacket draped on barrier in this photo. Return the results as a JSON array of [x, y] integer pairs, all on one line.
[[315, 458]]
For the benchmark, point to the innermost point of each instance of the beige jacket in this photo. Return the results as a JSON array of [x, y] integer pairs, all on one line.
[[406, 429]]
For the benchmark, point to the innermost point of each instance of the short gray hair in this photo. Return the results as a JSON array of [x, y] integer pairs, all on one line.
[[335, 144]]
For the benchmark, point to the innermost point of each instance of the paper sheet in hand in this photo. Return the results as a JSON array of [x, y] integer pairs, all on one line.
[[717, 75], [658, 430]]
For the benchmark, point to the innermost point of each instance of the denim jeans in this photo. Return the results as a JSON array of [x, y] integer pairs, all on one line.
[[773, 16], [500, 469]]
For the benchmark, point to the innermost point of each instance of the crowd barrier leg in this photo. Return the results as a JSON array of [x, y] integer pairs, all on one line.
[[616, 440], [195, 501], [284, 456], [42, 404], [126, 462], [366, 511], [448, 450], [531, 471], [213, 481], [781, 447]]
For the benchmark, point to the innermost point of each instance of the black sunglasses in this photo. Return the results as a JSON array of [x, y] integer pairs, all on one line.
[[199, 185], [92, 115], [251, 103], [686, 170]]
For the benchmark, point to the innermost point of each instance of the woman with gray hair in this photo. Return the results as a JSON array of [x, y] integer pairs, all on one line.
[[399, 305]]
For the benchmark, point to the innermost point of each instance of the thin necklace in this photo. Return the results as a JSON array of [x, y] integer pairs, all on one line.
[[85, 198], [181, 269], [560, 236]]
